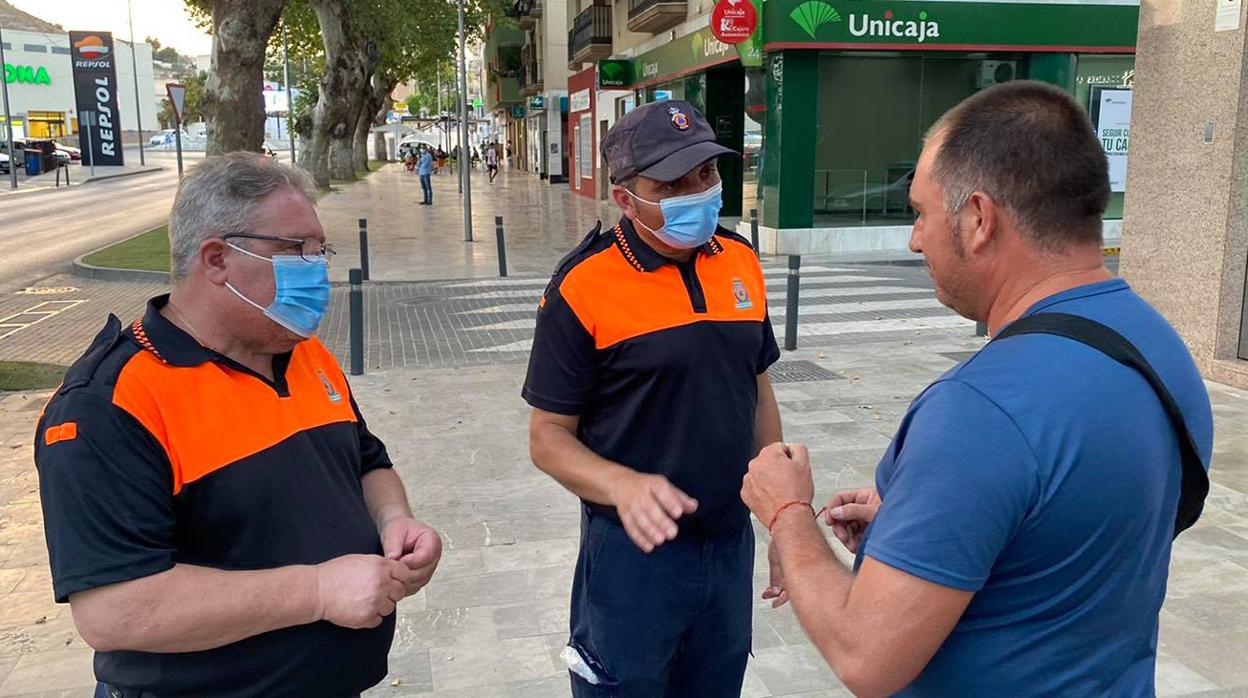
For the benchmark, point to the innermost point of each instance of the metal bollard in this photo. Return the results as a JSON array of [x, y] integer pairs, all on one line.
[[790, 303], [357, 321], [981, 329], [502, 246], [364, 247], [754, 230]]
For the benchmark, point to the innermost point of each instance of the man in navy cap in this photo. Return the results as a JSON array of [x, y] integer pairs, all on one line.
[[648, 382]]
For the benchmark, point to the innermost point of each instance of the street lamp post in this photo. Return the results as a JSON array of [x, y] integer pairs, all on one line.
[[134, 66], [8, 118], [464, 154], [290, 95]]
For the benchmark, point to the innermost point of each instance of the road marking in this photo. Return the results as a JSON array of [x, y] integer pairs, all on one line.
[[817, 329], [858, 307], [505, 308], [34, 315]]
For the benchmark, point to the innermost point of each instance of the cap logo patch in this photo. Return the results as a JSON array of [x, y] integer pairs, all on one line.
[[680, 122]]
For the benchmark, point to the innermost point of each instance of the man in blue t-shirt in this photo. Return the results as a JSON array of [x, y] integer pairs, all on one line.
[[424, 168], [1018, 538]]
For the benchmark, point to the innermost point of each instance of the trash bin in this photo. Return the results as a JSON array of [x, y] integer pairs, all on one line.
[[34, 162]]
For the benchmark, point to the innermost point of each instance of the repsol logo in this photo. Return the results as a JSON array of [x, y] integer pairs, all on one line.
[[888, 27], [93, 64], [108, 140]]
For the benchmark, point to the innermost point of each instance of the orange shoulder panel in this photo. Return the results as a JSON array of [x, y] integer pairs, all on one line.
[[209, 416], [616, 302]]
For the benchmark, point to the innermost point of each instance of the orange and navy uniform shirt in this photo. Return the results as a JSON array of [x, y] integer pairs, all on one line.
[[660, 361], [157, 451]]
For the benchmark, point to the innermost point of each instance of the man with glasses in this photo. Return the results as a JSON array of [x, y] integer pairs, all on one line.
[[218, 516]]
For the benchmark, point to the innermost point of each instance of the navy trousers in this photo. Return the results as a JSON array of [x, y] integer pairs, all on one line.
[[674, 623]]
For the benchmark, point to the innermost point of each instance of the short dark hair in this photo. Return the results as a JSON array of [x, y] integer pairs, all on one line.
[[1031, 148]]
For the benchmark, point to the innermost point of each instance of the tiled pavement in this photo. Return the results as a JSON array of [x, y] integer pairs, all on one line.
[[482, 321], [491, 622]]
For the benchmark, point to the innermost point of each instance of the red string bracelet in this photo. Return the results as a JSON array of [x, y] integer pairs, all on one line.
[[784, 506]]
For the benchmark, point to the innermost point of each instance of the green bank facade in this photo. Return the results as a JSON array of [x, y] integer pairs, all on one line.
[[830, 101]]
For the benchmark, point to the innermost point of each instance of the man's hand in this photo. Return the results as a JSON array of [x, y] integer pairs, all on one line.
[[780, 474], [849, 512], [357, 591], [775, 585], [416, 546], [649, 506]]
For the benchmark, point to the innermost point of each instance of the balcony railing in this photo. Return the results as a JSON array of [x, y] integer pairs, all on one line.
[[590, 36], [653, 16], [530, 77]]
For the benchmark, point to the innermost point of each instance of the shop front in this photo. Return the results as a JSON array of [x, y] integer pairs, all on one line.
[[582, 149], [535, 136], [854, 85]]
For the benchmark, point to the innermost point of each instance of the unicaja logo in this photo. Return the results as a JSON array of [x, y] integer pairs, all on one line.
[[921, 30], [813, 14]]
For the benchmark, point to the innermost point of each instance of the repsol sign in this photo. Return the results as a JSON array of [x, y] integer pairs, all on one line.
[[95, 91]]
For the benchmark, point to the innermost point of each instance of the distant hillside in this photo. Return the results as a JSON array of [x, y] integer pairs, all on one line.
[[13, 18]]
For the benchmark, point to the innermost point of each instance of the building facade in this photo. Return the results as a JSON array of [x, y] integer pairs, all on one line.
[[39, 74], [828, 102]]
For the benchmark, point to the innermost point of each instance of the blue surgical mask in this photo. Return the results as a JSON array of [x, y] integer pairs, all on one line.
[[302, 295], [688, 221]]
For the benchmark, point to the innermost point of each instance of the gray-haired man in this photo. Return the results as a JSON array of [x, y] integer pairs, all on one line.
[[218, 516]]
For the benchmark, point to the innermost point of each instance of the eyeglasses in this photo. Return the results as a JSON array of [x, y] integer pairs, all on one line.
[[310, 249]]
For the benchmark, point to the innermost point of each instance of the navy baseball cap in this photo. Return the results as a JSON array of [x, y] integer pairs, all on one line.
[[663, 141]]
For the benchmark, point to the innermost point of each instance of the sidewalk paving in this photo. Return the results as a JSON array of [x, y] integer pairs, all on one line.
[[445, 360], [494, 617]]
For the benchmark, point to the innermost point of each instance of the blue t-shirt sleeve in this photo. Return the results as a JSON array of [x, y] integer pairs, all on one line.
[[963, 482]]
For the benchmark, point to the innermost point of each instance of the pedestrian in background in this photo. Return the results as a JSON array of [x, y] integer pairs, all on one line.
[[218, 515], [425, 170], [648, 382], [1018, 538], [491, 161]]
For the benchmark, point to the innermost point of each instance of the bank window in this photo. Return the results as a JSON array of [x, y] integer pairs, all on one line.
[[60, 50], [35, 48], [873, 113]]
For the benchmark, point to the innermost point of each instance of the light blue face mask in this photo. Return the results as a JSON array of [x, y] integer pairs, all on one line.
[[688, 221], [302, 291]]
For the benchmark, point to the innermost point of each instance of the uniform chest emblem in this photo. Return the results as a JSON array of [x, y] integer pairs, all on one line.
[[334, 395], [742, 294]]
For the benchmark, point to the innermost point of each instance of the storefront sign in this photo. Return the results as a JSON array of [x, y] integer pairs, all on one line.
[[579, 101], [1112, 116], [95, 91], [537, 103], [688, 54], [751, 50], [951, 26], [27, 74], [614, 73], [733, 21], [517, 112]]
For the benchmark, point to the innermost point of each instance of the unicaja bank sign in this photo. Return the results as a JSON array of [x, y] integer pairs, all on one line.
[[95, 92]]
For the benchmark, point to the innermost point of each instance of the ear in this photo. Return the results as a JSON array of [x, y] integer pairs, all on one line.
[[982, 217], [624, 200], [212, 254]]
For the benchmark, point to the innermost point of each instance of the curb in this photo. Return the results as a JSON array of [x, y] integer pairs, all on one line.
[[118, 175], [91, 271]]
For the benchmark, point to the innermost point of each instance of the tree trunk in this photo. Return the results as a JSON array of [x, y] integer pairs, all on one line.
[[376, 104], [231, 101], [342, 82]]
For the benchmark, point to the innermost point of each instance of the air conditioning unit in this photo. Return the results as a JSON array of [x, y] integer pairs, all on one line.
[[995, 72]]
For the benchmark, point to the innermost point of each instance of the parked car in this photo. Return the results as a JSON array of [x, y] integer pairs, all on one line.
[[71, 151], [4, 163], [166, 137]]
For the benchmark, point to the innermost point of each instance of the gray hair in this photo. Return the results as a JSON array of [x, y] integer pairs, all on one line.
[[220, 196]]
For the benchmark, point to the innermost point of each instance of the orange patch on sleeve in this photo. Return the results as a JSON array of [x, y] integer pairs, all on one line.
[[61, 432]]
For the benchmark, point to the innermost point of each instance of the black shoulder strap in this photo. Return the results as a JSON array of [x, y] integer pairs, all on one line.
[[1195, 480]]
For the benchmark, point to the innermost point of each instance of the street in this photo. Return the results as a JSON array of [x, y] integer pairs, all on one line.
[[43, 231]]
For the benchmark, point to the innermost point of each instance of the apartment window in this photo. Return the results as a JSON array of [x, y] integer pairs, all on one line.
[[34, 48]]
